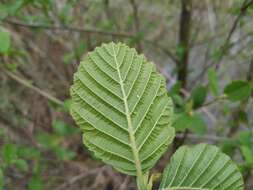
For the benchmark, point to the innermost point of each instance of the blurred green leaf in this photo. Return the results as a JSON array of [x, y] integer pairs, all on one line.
[[175, 89], [66, 105], [198, 96], [247, 154], [10, 8], [62, 128], [193, 122], [35, 183], [245, 137], [29, 152], [213, 81], [12, 66], [48, 140], [5, 41], [9, 153], [174, 93], [21, 165], [243, 117], [238, 90], [64, 154]]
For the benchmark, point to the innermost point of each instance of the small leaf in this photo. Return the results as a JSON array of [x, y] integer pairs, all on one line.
[[9, 153], [238, 90], [199, 96], [64, 154], [202, 167], [62, 128], [243, 117], [213, 81], [21, 165], [5, 41], [193, 122], [35, 183], [29, 152], [247, 154]]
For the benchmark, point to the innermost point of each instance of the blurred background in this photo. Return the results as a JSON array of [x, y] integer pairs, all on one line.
[[203, 48]]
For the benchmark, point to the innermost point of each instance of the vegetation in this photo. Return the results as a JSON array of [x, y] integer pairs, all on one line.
[[195, 116]]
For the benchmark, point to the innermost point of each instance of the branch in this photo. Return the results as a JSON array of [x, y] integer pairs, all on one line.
[[136, 22], [184, 40], [92, 31], [224, 47], [27, 84], [70, 28]]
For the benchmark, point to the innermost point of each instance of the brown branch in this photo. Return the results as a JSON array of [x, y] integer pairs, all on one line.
[[27, 84], [184, 40], [224, 47], [136, 23], [70, 28], [184, 45], [92, 31]]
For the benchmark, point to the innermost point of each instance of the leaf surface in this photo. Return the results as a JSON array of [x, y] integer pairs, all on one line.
[[201, 167], [120, 103]]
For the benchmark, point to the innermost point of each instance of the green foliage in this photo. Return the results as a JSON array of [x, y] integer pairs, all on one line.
[[201, 167], [125, 115], [52, 141], [62, 128], [9, 153], [192, 121], [238, 90], [198, 96], [213, 81], [118, 94], [35, 183], [21, 165], [5, 41]]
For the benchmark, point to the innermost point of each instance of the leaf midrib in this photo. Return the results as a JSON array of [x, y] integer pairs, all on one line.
[[129, 120]]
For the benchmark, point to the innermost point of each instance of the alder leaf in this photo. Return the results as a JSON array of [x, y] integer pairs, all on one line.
[[120, 103], [201, 167]]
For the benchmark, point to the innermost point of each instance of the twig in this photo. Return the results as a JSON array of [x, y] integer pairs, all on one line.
[[26, 83], [224, 48], [123, 186], [136, 22], [75, 179], [92, 31], [204, 137], [215, 100], [70, 28]]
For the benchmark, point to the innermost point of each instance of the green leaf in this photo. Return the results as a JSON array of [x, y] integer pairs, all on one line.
[[21, 165], [35, 183], [201, 167], [5, 41], [238, 90], [247, 154], [120, 103], [9, 153], [198, 96], [64, 154], [193, 122], [213, 81], [29, 152], [62, 128]]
